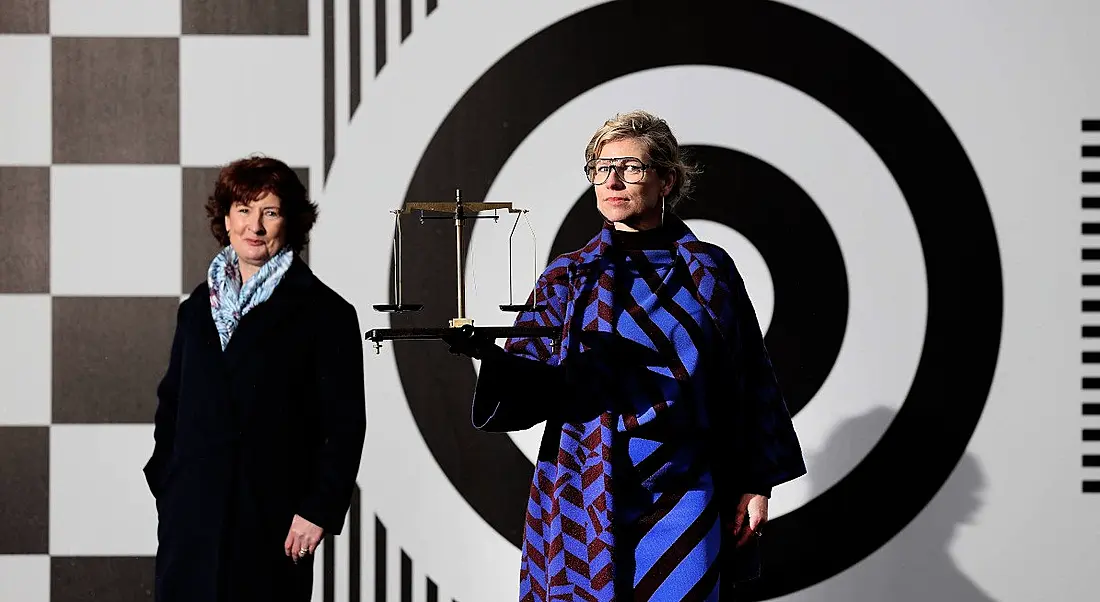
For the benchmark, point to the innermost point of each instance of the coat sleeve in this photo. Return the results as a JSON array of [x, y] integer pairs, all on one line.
[[341, 398], [164, 420], [767, 451], [516, 386]]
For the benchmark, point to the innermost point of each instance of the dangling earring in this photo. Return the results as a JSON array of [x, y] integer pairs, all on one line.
[[662, 210]]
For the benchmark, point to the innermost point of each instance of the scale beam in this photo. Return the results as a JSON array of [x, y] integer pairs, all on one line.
[[452, 207], [378, 335]]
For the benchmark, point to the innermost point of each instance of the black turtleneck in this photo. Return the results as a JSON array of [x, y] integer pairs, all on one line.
[[661, 237]]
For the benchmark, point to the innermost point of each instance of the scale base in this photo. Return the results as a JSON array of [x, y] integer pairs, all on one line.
[[378, 335], [522, 308], [399, 308]]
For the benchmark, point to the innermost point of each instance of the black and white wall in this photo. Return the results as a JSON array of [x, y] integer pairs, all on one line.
[[912, 191]]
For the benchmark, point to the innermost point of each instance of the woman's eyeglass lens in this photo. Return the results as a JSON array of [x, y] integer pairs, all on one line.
[[629, 170]]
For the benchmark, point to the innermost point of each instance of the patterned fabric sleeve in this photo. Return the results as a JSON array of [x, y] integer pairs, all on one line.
[[516, 386], [551, 291], [768, 451]]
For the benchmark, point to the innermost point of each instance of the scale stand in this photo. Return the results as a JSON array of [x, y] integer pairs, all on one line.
[[459, 211]]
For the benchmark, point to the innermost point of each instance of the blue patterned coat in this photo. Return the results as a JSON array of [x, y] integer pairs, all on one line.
[[575, 546]]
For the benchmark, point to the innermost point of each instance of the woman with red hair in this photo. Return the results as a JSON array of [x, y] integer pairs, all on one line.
[[261, 417]]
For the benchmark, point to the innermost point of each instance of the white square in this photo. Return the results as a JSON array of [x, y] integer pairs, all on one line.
[[26, 130], [272, 106], [25, 345], [116, 230], [118, 18], [100, 504], [25, 578]]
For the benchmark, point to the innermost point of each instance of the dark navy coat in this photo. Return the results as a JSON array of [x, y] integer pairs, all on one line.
[[246, 438]]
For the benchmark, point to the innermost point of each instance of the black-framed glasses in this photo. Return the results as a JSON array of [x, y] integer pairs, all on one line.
[[630, 170]]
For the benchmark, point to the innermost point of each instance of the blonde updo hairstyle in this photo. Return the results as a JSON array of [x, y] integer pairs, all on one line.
[[664, 151]]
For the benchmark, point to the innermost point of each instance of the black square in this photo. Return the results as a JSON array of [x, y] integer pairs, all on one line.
[[24, 16], [116, 100], [246, 17], [101, 578], [109, 354], [199, 245], [25, 493], [24, 229]]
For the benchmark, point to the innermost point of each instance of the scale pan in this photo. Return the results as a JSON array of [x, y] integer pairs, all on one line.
[[518, 308], [404, 307]]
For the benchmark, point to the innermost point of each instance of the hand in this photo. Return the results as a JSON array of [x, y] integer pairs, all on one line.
[[467, 341], [598, 378], [303, 538], [752, 513]]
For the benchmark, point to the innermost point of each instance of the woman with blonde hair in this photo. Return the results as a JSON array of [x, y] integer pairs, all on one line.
[[665, 427]]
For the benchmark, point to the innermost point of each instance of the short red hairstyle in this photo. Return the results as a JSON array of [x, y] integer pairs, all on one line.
[[246, 180]]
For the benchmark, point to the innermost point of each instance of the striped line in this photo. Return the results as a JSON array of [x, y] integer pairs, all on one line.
[[379, 560], [329, 83], [355, 58], [406, 577], [328, 571], [707, 548], [669, 503], [1090, 226], [355, 547], [406, 19], [705, 588], [379, 36], [675, 554]]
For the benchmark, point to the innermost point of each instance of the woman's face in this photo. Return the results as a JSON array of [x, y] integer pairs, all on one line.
[[256, 230], [629, 206]]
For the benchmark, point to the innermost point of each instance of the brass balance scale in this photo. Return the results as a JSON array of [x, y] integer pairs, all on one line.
[[459, 211]]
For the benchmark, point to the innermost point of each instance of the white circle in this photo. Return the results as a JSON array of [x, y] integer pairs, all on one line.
[[815, 149]]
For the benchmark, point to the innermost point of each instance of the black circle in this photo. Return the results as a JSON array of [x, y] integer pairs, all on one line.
[[960, 349], [759, 201]]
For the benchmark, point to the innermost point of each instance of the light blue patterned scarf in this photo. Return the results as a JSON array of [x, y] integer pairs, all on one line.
[[229, 301]]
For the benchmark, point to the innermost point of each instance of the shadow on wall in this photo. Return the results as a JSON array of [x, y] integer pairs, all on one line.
[[915, 566]]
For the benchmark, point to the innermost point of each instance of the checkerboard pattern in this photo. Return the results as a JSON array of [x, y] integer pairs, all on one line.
[[114, 118]]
